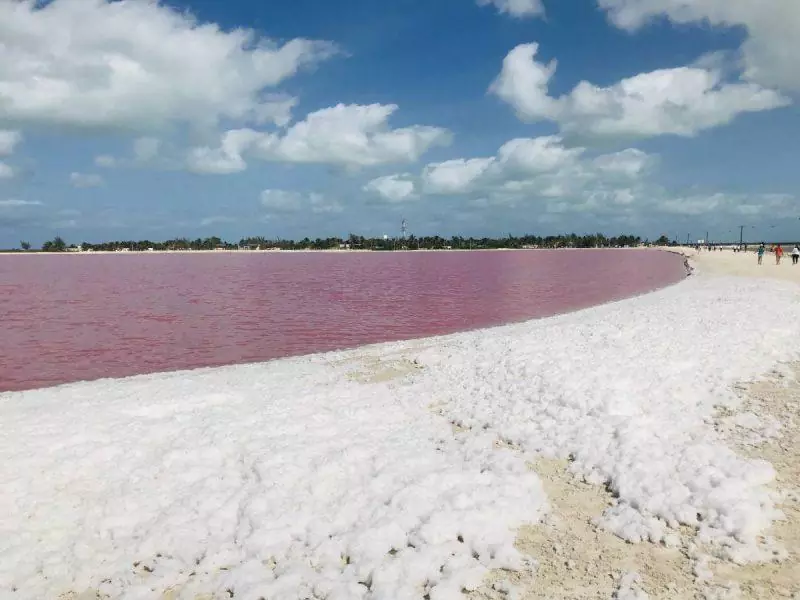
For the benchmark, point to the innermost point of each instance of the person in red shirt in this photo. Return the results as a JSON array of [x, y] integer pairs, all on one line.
[[778, 254]]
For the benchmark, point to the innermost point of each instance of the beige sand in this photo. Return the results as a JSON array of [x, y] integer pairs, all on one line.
[[745, 264]]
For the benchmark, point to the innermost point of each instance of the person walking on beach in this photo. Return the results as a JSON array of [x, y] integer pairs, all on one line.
[[761, 250], [778, 254], [795, 254]]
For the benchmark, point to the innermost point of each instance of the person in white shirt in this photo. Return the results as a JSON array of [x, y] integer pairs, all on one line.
[[795, 254]]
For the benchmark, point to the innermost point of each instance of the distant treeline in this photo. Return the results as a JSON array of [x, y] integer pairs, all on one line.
[[357, 242]]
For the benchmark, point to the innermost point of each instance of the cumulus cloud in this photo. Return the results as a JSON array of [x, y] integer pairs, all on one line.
[[517, 164], [516, 8], [350, 136], [627, 163], [681, 101], [772, 45], [523, 83], [537, 155], [6, 171], [558, 183], [227, 158], [542, 170], [392, 188], [85, 180], [454, 176], [138, 64]]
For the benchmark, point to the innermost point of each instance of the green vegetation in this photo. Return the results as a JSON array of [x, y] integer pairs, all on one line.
[[360, 242], [25, 246], [54, 245], [664, 241]]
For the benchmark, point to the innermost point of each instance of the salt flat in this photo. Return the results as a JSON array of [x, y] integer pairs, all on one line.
[[398, 470]]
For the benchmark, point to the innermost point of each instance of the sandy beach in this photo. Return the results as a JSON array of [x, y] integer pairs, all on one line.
[[646, 448], [744, 264]]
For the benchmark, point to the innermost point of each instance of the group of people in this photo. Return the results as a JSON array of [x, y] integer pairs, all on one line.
[[778, 250]]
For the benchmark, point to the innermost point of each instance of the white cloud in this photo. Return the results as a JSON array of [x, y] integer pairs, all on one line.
[[349, 136], [85, 180], [556, 183], [628, 163], [138, 65], [393, 188], [9, 141], [516, 8], [6, 171], [228, 157], [518, 163], [537, 155], [352, 136], [544, 173], [454, 176], [772, 46], [681, 101], [523, 83]]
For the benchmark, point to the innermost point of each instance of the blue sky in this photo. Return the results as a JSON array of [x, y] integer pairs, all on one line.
[[476, 117]]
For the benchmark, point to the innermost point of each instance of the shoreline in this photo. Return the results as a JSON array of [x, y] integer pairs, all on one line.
[[453, 420], [371, 344], [306, 251]]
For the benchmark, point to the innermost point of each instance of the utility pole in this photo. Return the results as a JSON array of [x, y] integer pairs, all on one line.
[[741, 236]]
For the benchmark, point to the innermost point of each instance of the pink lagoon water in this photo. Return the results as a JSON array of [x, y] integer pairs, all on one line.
[[71, 318]]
